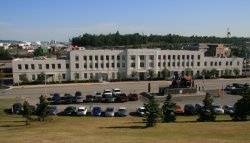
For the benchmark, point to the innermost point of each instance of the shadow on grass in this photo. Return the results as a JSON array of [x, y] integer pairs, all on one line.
[[9, 126], [124, 127]]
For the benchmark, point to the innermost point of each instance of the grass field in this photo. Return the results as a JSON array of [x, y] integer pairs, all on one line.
[[119, 130]]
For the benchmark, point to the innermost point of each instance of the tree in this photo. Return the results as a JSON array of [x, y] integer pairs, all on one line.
[[27, 111], [43, 108], [236, 71], [188, 71], [168, 109], [242, 108], [134, 74], [5, 54], [214, 73], [227, 72], [152, 112], [151, 73], [41, 77], [39, 52], [165, 73], [23, 77], [206, 113]]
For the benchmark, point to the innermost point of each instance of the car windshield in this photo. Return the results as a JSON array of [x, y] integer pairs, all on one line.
[[78, 97], [122, 110], [216, 106], [81, 110], [141, 110], [107, 91], [117, 90], [230, 108], [110, 109], [109, 96], [98, 93], [97, 108]]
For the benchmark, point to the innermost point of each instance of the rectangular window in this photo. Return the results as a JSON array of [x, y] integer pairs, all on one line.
[[107, 65], [101, 65], [112, 65], [159, 64], [164, 64], [226, 63], [101, 57], [33, 77], [198, 64], [118, 65], [164, 57], [188, 57], [151, 64], [183, 64], [169, 57], [174, 57], [26, 66], [168, 64], [132, 65], [67, 66], [142, 65], [96, 65], [90, 65], [59, 66], [76, 58], [118, 57], [40, 66], [192, 64], [199, 57], [90, 57], [77, 66], [183, 57], [179, 57], [96, 57], [219, 63], [47, 66], [215, 63], [132, 57], [238, 63], [85, 58], [231, 63], [192, 57], [53, 66], [123, 65], [85, 65], [151, 57], [85, 75], [159, 57], [211, 63], [173, 64], [205, 63], [32, 66], [178, 64], [64, 76], [123, 57], [19, 66], [141, 57], [91, 75], [107, 57], [187, 64], [113, 57], [77, 76]]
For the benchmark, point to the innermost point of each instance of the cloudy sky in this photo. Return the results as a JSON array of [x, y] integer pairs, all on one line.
[[44, 20]]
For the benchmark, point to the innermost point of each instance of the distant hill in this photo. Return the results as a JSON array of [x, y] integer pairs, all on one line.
[[9, 41]]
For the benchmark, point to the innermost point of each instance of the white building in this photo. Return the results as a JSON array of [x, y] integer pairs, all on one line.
[[113, 64]]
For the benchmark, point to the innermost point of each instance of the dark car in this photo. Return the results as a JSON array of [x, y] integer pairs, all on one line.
[[228, 109], [98, 97], [109, 98], [198, 107], [56, 98], [90, 98], [70, 110], [189, 109], [133, 97], [17, 108], [121, 97], [97, 111], [68, 98], [53, 110]]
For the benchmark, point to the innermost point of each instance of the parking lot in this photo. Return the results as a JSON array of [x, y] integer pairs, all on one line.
[[31, 93]]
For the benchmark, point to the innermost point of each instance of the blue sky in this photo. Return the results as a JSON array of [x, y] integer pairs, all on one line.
[[33, 20]]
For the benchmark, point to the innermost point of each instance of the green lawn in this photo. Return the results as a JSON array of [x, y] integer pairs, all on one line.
[[118, 130]]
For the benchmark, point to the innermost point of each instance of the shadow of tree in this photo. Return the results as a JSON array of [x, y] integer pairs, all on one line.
[[9, 126], [124, 127]]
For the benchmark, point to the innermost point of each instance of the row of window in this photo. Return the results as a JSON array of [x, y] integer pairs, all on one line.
[[39, 66], [151, 57], [101, 65], [34, 76], [107, 57]]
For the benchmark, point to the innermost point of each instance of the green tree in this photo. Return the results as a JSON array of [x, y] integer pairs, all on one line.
[[206, 113], [42, 108], [242, 108], [214, 73], [188, 71], [152, 112], [165, 73], [23, 77], [27, 111], [41, 77], [38, 52], [236, 71], [134, 74], [151, 73], [5, 54], [227, 72], [168, 109]]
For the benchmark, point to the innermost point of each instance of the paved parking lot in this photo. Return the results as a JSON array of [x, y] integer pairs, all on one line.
[[31, 93]]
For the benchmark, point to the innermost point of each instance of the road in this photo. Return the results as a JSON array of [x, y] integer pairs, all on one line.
[[31, 93]]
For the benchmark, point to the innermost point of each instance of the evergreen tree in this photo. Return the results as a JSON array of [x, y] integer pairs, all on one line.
[[152, 112], [27, 111], [206, 113], [168, 109], [151, 73], [43, 108], [242, 106]]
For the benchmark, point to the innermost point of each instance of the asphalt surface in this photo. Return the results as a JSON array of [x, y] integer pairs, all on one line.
[[31, 93]]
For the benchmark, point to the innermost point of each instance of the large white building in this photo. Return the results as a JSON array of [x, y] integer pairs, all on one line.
[[113, 64]]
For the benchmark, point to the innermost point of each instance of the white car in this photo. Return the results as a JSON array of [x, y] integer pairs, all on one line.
[[81, 111], [218, 109], [141, 111], [107, 92], [116, 91], [110, 112]]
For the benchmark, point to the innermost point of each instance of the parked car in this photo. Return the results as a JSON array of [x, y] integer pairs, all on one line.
[[217, 109], [110, 112], [116, 91], [98, 97], [81, 111], [228, 109], [229, 87], [121, 97], [70, 110], [17, 108], [106, 92], [56, 98], [178, 109], [189, 109], [53, 110], [109, 98], [78, 97], [90, 98], [133, 97], [97, 111], [122, 111], [198, 107], [68, 98], [141, 111]]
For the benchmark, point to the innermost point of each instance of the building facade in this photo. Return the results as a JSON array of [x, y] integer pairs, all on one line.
[[114, 64]]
